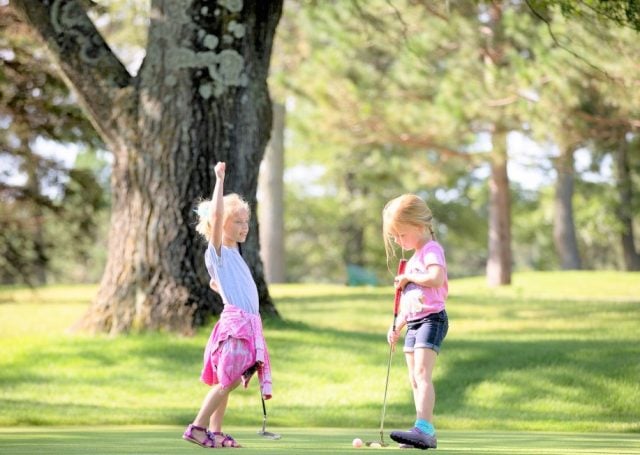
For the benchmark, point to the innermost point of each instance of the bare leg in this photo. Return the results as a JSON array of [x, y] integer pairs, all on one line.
[[216, 396], [424, 392], [215, 422], [215, 425], [420, 364], [409, 356]]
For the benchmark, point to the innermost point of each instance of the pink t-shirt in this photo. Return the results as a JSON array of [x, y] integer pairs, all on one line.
[[419, 301]]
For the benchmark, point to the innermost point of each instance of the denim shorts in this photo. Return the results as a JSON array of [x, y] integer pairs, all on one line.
[[428, 332]]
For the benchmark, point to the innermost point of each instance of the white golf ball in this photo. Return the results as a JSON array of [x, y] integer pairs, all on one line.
[[375, 445], [357, 443]]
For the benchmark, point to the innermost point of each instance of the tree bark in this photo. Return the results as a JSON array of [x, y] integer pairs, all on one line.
[[564, 231], [200, 97], [271, 205], [625, 208], [499, 258]]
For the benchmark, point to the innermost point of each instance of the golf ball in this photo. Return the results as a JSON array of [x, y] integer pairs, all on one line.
[[357, 442], [375, 445]]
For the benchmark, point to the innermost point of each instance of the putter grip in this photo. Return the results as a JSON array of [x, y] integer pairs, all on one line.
[[402, 265]]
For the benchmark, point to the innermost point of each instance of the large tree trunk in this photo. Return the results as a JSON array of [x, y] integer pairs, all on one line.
[[200, 97], [564, 231], [499, 260], [271, 206], [625, 207]]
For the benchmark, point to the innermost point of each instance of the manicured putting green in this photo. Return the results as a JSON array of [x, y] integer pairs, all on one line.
[[166, 440]]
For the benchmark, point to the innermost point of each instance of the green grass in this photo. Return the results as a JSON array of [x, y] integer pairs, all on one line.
[[310, 441], [553, 352]]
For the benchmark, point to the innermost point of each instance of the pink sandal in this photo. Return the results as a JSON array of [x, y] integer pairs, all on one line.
[[227, 440], [207, 441]]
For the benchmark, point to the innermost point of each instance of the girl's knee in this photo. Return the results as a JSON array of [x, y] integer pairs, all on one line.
[[423, 383], [423, 372], [421, 376], [230, 388], [412, 381], [220, 390]]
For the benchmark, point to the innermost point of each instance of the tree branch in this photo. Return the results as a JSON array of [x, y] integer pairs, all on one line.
[[555, 39], [87, 63], [628, 123]]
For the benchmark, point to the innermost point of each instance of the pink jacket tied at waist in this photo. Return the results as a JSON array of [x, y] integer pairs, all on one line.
[[236, 344]]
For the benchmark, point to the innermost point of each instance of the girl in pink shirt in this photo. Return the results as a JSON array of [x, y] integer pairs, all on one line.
[[236, 348], [407, 221]]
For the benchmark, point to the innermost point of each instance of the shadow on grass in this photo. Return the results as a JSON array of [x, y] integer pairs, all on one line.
[[551, 380], [501, 383]]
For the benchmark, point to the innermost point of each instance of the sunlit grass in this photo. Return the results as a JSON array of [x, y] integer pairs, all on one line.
[[135, 440], [555, 352]]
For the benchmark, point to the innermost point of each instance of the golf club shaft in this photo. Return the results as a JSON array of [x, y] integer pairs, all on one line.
[[396, 305], [384, 401], [264, 414], [263, 432]]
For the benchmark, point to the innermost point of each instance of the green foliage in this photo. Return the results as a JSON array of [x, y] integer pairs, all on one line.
[[386, 97], [54, 217], [79, 252], [19, 249], [622, 12], [312, 254], [48, 210], [598, 225], [533, 247], [528, 357], [391, 98]]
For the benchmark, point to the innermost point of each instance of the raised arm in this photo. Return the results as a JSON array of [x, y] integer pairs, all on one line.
[[217, 208]]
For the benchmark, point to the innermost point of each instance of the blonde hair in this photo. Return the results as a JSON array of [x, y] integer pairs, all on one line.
[[407, 209], [233, 203]]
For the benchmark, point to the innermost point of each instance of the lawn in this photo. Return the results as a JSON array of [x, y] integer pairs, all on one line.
[[554, 352], [136, 440]]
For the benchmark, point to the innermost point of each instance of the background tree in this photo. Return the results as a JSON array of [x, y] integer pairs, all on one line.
[[426, 94], [200, 97], [414, 96], [271, 201], [36, 188], [443, 94], [598, 97]]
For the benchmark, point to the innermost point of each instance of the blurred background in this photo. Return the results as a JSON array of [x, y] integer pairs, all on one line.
[[524, 111]]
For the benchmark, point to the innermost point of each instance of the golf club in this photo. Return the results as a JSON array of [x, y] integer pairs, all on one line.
[[263, 432], [396, 304]]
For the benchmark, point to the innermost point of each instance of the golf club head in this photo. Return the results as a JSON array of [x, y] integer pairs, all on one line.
[[269, 435]]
